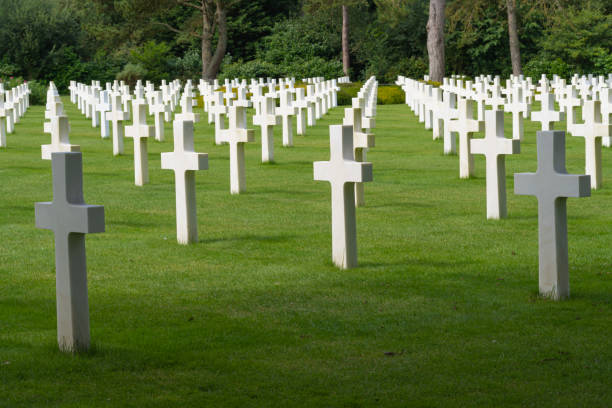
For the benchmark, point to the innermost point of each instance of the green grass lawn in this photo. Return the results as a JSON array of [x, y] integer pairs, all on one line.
[[443, 310]]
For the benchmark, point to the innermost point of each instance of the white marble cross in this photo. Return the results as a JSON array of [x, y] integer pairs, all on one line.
[[70, 219], [449, 112], [605, 97], [94, 101], [464, 126], [593, 130], [267, 120], [301, 105], [361, 142], [219, 110], [229, 94], [494, 147], [159, 109], [140, 132], [185, 162], [103, 106], [519, 107], [547, 115], [311, 98], [237, 135], [342, 172], [437, 102], [496, 100], [2, 122], [571, 101], [287, 111], [116, 116], [187, 103], [60, 141], [552, 185]]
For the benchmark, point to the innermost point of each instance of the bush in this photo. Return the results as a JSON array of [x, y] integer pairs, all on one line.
[[38, 95], [543, 65], [387, 95], [189, 66], [154, 57], [7, 70], [347, 92], [11, 82], [247, 70], [390, 95], [131, 73]]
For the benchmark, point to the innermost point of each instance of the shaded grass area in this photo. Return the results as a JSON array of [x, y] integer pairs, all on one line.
[[443, 310]]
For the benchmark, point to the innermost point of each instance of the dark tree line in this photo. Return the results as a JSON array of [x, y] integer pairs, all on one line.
[[62, 40]]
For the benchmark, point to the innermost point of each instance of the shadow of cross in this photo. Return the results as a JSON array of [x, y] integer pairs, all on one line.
[[343, 172], [70, 219], [552, 185]]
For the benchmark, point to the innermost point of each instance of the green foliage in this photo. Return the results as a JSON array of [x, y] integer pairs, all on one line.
[[131, 73], [347, 92], [189, 66], [390, 95], [38, 92], [81, 40], [543, 65], [293, 42], [154, 58], [250, 69], [582, 38], [8, 69], [387, 94]]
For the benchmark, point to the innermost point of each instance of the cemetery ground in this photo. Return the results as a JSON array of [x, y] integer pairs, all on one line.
[[442, 311]]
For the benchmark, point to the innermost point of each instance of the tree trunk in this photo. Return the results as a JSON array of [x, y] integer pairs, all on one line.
[[515, 51], [207, 36], [215, 62], [346, 64], [435, 39]]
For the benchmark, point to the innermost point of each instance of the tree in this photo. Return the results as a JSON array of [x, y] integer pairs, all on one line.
[[346, 59], [313, 6], [213, 17], [515, 50], [435, 39]]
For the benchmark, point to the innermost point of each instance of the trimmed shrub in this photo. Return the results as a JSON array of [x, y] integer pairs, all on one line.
[[387, 94], [390, 95], [347, 92], [131, 73], [38, 95]]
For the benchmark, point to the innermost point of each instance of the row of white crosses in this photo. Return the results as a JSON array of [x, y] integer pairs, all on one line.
[[306, 107], [550, 184], [592, 94], [57, 126], [70, 218], [13, 105]]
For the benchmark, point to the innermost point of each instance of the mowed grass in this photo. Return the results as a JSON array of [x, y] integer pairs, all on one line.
[[442, 311]]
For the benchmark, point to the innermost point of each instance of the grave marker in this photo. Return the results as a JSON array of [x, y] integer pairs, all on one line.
[[60, 142], [184, 161], [70, 219], [494, 147], [140, 132], [237, 135], [342, 172], [593, 130], [551, 185], [464, 126]]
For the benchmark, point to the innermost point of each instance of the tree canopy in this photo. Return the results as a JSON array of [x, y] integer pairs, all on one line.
[[82, 40]]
